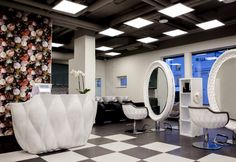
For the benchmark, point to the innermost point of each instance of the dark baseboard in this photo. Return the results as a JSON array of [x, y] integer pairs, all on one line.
[[8, 144]]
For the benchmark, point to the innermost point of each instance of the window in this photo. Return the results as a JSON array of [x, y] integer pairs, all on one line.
[[177, 66], [201, 66], [59, 74], [122, 81], [98, 87]]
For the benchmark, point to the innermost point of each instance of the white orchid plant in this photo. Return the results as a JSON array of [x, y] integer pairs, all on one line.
[[81, 77]]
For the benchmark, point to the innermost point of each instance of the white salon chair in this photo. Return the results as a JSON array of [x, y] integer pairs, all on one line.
[[135, 113], [208, 119]]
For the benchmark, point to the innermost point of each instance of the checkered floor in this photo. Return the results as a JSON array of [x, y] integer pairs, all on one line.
[[109, 143]]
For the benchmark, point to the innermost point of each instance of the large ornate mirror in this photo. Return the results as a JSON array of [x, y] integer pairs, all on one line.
[[221, 84], [159, 90]]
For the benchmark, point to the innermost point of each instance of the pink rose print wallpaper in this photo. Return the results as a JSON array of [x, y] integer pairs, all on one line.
[[25, 58]]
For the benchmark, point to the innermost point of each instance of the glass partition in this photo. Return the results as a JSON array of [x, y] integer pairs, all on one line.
[[177, 66], [201, 66]]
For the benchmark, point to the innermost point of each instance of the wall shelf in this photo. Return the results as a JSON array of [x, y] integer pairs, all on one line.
[[187, 127]]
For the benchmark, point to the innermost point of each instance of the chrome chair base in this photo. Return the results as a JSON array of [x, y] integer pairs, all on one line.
[[158, 130], [135, 130], [207, 145]]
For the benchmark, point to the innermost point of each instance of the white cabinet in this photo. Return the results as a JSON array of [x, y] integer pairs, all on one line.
[[190, 95]]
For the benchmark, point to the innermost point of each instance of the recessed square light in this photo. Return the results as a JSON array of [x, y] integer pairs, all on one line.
[[112, 54], [210, 24], [69, 7], [111, 32], [174, 33], [176, 10], [138, 23], [57, 44], [147, 40], [104, 48]]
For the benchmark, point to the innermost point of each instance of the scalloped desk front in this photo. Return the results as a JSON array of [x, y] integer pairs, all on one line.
[[48, 122]]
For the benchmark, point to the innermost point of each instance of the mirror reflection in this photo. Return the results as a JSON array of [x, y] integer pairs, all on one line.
[[158, 90], [225, 88]]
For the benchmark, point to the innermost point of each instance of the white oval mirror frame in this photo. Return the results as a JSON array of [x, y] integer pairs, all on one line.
[[171, 90], [227, 55]]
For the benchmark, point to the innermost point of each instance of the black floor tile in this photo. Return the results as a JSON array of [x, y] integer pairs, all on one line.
[[227, 151], [88, 160], [100, 141], [33, 160], [190, 152], [140, 153], [93, 151], [139, 141]]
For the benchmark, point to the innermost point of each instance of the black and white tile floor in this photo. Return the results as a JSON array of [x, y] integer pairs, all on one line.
[[110, 143]]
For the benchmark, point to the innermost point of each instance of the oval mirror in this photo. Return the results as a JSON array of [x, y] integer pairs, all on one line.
[[159, 90], [221, 84]]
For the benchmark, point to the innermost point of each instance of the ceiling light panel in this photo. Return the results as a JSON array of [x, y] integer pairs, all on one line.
[[57, 44], [174, 33], [69, 7], [111, 32], [112, 54], [138, 23], [210, 24], [147, 40], [104, 48], [176, 10]]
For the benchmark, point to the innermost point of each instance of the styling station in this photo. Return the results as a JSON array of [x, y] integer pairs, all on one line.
[[117, 81]]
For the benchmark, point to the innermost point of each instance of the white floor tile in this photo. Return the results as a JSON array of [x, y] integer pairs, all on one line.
[[167, 158], [16, 156], [217, 158], [93, 136], [115, 157], [118, 146], [68, 156], [82, 147], [119, 137], [161, 147]]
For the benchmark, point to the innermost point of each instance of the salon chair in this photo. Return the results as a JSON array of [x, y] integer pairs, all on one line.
[[208, 119], [134, 112], [232, 126]]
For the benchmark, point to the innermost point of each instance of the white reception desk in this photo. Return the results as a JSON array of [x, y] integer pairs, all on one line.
[[51, 122]]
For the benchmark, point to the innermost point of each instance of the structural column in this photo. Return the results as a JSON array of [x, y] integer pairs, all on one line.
[[84, 60], [188, 65]]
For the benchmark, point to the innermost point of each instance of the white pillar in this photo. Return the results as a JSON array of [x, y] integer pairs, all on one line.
[[188, 65], [84, 60]]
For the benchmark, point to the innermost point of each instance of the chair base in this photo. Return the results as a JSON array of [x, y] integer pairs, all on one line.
[[158, 130], [137, 131], [206, 145]]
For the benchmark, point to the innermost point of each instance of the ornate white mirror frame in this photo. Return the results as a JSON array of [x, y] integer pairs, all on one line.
[[230, 54], [171, 90]]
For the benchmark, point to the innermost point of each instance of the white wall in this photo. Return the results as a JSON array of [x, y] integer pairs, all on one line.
[[63, 58], [135, 66]]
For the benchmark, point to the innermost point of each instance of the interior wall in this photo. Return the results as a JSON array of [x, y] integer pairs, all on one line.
[[134, 67], [25, 58]]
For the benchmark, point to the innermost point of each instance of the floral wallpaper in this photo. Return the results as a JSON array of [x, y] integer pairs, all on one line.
[[25, 58]]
